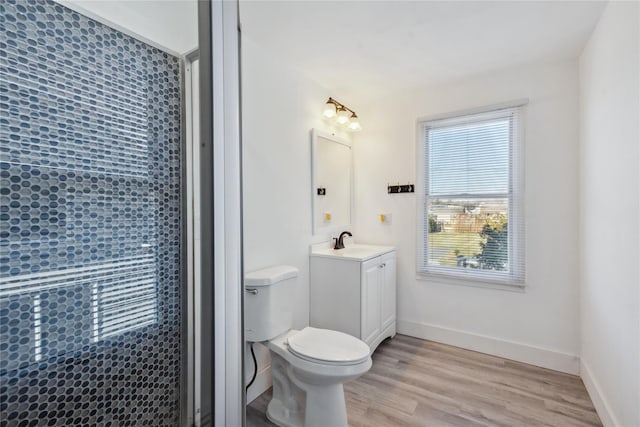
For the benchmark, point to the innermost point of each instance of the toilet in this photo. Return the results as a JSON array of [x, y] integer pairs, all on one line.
[[308, 366]]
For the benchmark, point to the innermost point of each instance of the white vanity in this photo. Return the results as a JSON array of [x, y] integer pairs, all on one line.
[[353, 290]]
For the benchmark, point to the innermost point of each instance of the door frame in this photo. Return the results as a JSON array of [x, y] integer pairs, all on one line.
[[222, 334]]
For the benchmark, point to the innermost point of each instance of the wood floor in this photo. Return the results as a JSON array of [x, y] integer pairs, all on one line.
[[422, 383]]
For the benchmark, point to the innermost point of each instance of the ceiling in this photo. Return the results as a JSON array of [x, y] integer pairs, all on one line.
[[366, 49], [370, 48]]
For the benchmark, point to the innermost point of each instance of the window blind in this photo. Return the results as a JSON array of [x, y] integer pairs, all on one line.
[[471, 216]]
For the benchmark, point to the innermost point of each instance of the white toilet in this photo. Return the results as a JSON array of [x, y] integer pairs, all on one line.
[[308, 366]]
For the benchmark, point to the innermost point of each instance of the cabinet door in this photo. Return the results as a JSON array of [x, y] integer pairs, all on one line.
[[388, 291], [370, 307]]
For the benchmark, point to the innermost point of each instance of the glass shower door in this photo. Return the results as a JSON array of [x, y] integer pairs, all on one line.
[[91, 265]]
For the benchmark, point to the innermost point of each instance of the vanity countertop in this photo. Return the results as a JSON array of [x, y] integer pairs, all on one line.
[[355, 251]]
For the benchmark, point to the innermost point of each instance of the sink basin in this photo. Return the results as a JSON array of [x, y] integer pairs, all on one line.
[[354, 251]]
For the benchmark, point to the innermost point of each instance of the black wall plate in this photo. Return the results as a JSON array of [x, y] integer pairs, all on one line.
[[394, 189]]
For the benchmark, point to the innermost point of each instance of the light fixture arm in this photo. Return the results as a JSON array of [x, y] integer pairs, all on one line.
[[340, 106]]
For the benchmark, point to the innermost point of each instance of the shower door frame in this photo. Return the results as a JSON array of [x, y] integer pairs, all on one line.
[[191, 198], [219, 393], [220, 389], [222, 392]]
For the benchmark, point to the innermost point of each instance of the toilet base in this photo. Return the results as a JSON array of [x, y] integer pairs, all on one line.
[[281, 416], [324, 408], [286, 407]]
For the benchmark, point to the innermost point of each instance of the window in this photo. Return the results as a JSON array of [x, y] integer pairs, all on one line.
[[471, 224]]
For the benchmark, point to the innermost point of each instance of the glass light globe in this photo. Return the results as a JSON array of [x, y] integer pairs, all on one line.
[[343, 117], [354, 123], [329, 110]]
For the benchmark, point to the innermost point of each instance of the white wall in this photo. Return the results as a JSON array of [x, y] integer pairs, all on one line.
[[610, 220], [279, 108], [540, 325], [171, 25]]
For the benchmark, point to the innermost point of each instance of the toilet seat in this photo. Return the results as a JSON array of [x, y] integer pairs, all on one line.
[[328, 347]]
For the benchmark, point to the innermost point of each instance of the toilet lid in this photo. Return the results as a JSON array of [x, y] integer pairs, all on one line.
[[328, 346]]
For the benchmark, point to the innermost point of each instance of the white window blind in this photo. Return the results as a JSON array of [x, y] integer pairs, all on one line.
[[471, 223]]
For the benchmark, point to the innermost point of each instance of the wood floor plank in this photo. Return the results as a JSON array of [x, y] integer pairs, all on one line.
[[422, 383]]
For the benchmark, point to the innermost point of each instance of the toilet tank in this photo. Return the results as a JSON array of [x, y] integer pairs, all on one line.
[[268, 302]]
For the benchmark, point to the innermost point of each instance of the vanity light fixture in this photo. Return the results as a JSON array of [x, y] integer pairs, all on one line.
[[344, 115]]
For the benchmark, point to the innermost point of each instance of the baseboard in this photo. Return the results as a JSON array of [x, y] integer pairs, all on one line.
[[597, 397], [537, 356], [261, 384]]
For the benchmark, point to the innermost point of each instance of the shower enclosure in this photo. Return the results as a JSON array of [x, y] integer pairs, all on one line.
[[91, 236], [96, 315]]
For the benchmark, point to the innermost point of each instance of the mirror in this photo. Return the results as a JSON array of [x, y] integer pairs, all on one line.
[[331, 182]]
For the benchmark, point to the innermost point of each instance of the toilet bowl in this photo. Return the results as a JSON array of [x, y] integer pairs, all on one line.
[[308, 366]]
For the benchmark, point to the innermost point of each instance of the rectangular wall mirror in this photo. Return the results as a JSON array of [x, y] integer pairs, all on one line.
[[331, 181]]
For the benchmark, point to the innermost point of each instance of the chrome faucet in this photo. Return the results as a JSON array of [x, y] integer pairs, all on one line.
[[340, 240]]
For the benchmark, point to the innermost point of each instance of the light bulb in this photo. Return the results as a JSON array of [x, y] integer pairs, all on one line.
[[354, 124], [343, 117], [329, 110]]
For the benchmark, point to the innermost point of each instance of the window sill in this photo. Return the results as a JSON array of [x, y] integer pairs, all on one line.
[[470, 282]]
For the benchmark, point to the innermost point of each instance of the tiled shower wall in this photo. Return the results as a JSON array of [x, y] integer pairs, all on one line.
[[90, 234]]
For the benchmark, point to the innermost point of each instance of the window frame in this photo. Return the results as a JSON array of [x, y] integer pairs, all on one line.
[[514, 278]]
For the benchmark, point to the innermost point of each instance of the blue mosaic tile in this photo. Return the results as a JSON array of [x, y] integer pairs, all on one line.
[[90, 283]]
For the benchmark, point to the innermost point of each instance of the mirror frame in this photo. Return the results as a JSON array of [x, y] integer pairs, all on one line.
[[329, 229]]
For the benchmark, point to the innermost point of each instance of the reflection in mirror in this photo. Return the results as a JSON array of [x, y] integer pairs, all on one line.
[[331, 183]]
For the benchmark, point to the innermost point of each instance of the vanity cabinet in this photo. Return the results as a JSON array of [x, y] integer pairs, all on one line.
[[355, 295]]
